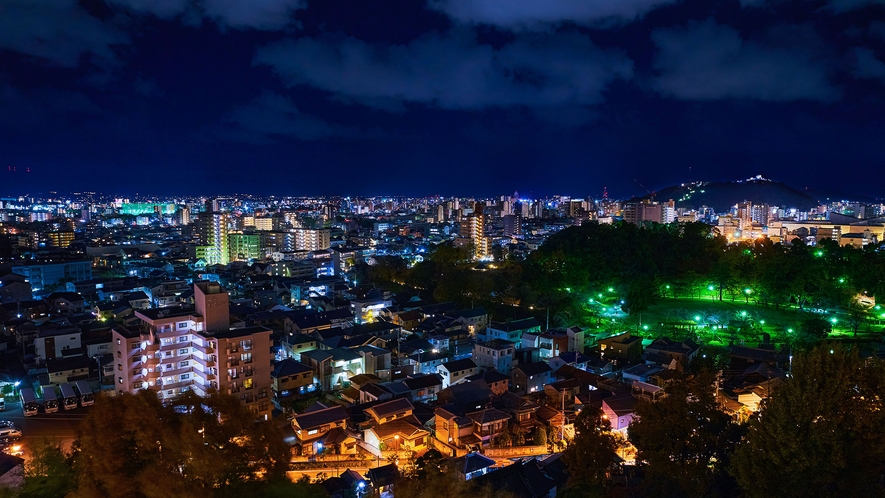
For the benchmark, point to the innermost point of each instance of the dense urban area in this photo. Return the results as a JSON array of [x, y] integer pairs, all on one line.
[[712, 339]]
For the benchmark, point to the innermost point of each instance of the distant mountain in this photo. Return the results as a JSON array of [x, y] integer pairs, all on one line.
[[722, 195]]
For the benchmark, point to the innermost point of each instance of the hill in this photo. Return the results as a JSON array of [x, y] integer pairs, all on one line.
[[722, 195]]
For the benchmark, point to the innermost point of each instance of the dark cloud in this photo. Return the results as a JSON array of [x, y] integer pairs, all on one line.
[[237, 14], [867, 65], [30, 109], [57, 32], [452, 71], [529, 14], [709, 61], [271, 117], [849, 5]]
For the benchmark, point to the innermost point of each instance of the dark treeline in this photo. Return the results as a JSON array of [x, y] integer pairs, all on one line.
[[641, 265], [820, 435]]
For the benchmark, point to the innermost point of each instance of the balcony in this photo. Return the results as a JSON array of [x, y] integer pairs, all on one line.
[[233, 363], [206, 362], [203, 349]]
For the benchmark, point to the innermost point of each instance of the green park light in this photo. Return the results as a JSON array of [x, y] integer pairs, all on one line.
[[610, 289], [748, 290], [697, 318], [590, 300], [790, 330], [819, 254], [841, 280], [600, 296], [710, 287], [762, 322], [743, 313], [568, 289], [877, 307], [667, 286], [645, 327], [834, 320]]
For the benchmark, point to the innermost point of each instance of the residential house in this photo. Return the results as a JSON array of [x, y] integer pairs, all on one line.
[[524, 479], [683, 352], [393, 427], [63, 370], [313, 425], [498, 382], [496, 354], [622, 348], [295, 344], [65, 303], [531, 377], [512, 331], [14, 288], [573, 358], [454, 372], [424, 387], [472, 465], [619, 409], [291, 378], [475, 319], [488, 423], [57, 342]]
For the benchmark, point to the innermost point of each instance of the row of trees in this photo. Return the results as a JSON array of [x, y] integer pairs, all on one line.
[[134, 446], [641, 265], [822, 434]]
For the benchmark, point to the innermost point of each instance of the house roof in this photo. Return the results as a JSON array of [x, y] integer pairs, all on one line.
[[525, 323], [384, 475], [536, 368], [489, 377], [289, 367], [389, 408], [488, 416], [497, 344], [407, 428], [522, 480], [472, 462], [458, 365], [317, 418], [468, 313], [423, 381], [621, 404]]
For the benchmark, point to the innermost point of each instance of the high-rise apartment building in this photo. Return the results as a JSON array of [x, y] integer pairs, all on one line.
[[473, 231], [244, 246], [312, 240], [213, 246], [172, 352]]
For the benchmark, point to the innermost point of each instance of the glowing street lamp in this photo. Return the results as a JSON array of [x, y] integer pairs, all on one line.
[[697, 318], [790, 331]]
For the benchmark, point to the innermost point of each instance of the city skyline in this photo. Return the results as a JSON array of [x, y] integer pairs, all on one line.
[[290, 97]]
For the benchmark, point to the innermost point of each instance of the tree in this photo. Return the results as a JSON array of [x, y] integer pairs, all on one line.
[[539, 436], [48, 473], [196, 447], [685, 441], [821, 434], [593, 450], [815, 328]]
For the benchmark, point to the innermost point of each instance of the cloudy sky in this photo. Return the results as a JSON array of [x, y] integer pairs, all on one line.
[[465, 97]]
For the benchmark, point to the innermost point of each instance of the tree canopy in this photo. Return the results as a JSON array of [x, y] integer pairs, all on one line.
[[821, 434]]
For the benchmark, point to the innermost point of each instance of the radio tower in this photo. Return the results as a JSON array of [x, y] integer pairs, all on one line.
[[605, 193]]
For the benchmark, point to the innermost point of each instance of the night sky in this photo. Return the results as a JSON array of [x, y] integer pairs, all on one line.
[[449, 97]]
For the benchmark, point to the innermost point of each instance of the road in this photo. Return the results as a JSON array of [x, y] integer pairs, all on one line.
[[60, 426]]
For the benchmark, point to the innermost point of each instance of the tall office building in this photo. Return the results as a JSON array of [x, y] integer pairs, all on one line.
[[172, 352]]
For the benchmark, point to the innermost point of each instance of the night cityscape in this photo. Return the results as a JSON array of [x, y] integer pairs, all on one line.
[[441, 248]]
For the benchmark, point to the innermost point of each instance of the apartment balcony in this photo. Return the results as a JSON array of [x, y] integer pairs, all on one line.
[[176, 385], [205, 362], [203, 349], [152, 360], [233, 363]]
